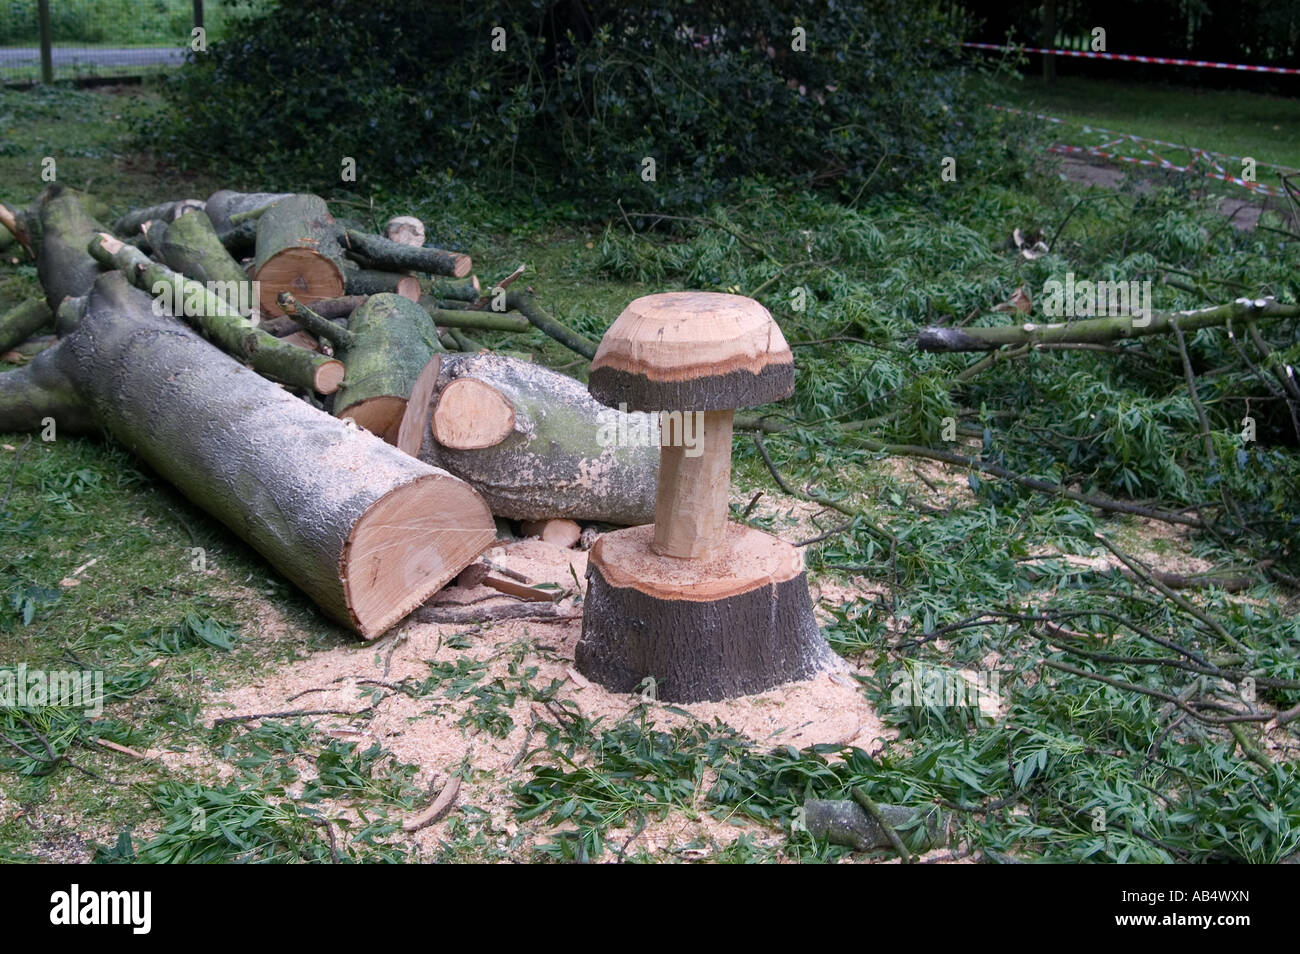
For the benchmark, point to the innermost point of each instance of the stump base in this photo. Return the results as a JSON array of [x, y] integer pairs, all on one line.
[[738, 623]]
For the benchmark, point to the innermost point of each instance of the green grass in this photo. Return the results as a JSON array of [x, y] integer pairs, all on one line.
[[1030, 785], [1234, 123]]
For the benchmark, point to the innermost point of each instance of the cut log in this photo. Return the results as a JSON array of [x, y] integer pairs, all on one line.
[[228, 329], [63, 264], [744, 627], [190, 246], [460, 289], [471, 414], [368, 281], [564, 456], [130, 224], [29, 349], [223, 205], [845, 822], [479, 320], [386, 345], [10, 220], [405, 230], [298, 252], [21, 322], [240, 240], [561, 533], [335, 309], [364, 530], [382, 253]]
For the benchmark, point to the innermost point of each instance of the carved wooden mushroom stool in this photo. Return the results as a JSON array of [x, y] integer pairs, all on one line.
[[706, 608]]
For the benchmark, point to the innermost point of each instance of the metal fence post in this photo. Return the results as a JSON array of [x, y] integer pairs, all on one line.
[[47, 54]]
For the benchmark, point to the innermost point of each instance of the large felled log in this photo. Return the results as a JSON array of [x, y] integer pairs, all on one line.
[[1101, 330], [386, 345], [21, 322], [129, 224], [394, 256], [223, 206], [532, 441], [63, 264], [366, 531], [229, 330], [190, 245], [298, 252]]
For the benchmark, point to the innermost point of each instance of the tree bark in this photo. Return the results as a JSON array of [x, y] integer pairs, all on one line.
[[388, 342], [190, 246], [298, 252], [382, 253], [130, 224], [368, 281], [364, 530], [63, 264], [845, 822], [222, 205], [225, 327], [738, 624], [20, 323], [1100, 330], [563, 454]]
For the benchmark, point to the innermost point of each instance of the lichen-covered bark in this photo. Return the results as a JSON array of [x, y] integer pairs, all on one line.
[[224, 204], [22, 321], [63, 264], [190, 245], [568, 456], [389, 341], [42, 390], [129, 224]]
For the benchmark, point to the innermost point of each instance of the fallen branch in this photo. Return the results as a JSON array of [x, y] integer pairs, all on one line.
[[1099, 330]]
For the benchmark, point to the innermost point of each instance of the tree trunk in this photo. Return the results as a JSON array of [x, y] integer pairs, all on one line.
[[190, 246], [228, 329], [386, 345], [298, 252], [533, 442], [366, 531], [222, 205], [382, 253], [1101, 330], [130, 224], [744, 626], [20, 323], [63, 264]]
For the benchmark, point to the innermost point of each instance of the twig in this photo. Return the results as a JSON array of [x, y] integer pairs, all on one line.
[[862, 798], [288, 714], [437, 809], [485, 614]]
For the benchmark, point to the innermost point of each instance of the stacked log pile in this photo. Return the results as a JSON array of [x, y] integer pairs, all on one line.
[[311, 385]]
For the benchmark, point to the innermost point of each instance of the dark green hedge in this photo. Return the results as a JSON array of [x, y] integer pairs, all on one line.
[[712, 90]]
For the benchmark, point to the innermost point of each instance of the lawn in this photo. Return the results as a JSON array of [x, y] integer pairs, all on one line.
[[919, 570], [1234, 123]]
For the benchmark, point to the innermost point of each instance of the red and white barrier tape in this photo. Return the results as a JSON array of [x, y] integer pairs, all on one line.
[[1158, 161], [1134, 58]]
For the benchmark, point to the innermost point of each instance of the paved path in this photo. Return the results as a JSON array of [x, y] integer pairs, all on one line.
[[68, 56]]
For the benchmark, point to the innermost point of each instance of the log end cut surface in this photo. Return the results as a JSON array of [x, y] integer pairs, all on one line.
[[738, 623], [381, 416], [471, 415], [408, 545], [308, 275]]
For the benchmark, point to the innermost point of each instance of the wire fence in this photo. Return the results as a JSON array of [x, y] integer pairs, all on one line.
[[47, 40]]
